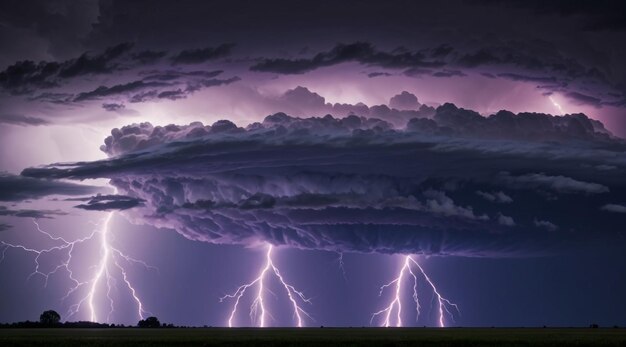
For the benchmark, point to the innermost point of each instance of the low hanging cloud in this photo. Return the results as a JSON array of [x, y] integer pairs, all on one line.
[[113, 107], [19, 188], [359, 184], [550, 70], [23, 77], [201, 55], [108, 202], [104, 91], [141, 79], [361, 52], [148, 56], [165, 85], [29, 213]]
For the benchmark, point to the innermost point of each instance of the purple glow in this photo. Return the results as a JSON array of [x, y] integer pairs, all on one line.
[[483, 141], [444, 305], [258, 310], [108, 262]]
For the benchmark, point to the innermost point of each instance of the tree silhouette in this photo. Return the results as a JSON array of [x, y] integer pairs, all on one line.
[[150, 322], [49, 317]]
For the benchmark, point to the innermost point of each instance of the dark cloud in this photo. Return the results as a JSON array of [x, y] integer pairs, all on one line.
[[194, 86], [148, 57], [361, 52], [378, 74], [456, 39], [24, 76], [172, 94], [108, 202], [478, 58], [61, 25], [421, 72], [404, 101], [143, 96], [113, 107], [53, 98], [448, 73], [507, 125], [201, 55], [118, 89], [310, 183], [303, 102], [442, 51], [417, 72], [173, 75], [157, 85], [583, 99], [523, 78], [18, 119], [19, 188], [4, 211], [97, 64]]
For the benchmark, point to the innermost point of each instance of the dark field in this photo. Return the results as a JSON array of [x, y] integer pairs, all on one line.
[[313, 337]]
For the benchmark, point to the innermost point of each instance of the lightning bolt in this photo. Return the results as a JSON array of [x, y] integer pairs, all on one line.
[[341, 266], [556, 104], [110, 262], [258, 309], [444, 306]]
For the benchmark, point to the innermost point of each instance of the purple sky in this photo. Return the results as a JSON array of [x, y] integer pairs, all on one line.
[[486, 138]]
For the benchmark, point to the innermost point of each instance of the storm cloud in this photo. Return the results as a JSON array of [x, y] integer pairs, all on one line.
[[358, 184], [108, 202], [361, 52], [25, 76], [19, 188], [197, 56], [29, 213]]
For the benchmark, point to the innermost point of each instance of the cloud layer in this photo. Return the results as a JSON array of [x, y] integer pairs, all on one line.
[[108, 202], [19, 188], [359, 184]]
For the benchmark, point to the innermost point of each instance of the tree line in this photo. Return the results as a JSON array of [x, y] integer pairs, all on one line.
[[52, 319]]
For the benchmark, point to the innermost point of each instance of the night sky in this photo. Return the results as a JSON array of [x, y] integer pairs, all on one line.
[[270, 163]]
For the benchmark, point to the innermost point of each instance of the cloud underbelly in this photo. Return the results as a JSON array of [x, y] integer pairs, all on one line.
[[358, 185]]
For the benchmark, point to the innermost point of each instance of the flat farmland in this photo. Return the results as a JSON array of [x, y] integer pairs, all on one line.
[[314, 337]]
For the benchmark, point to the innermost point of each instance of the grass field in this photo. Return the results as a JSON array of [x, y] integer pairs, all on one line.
[[313, 337]]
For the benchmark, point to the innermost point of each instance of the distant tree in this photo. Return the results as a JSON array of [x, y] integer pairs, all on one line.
[[150, 322], [49, 317]]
